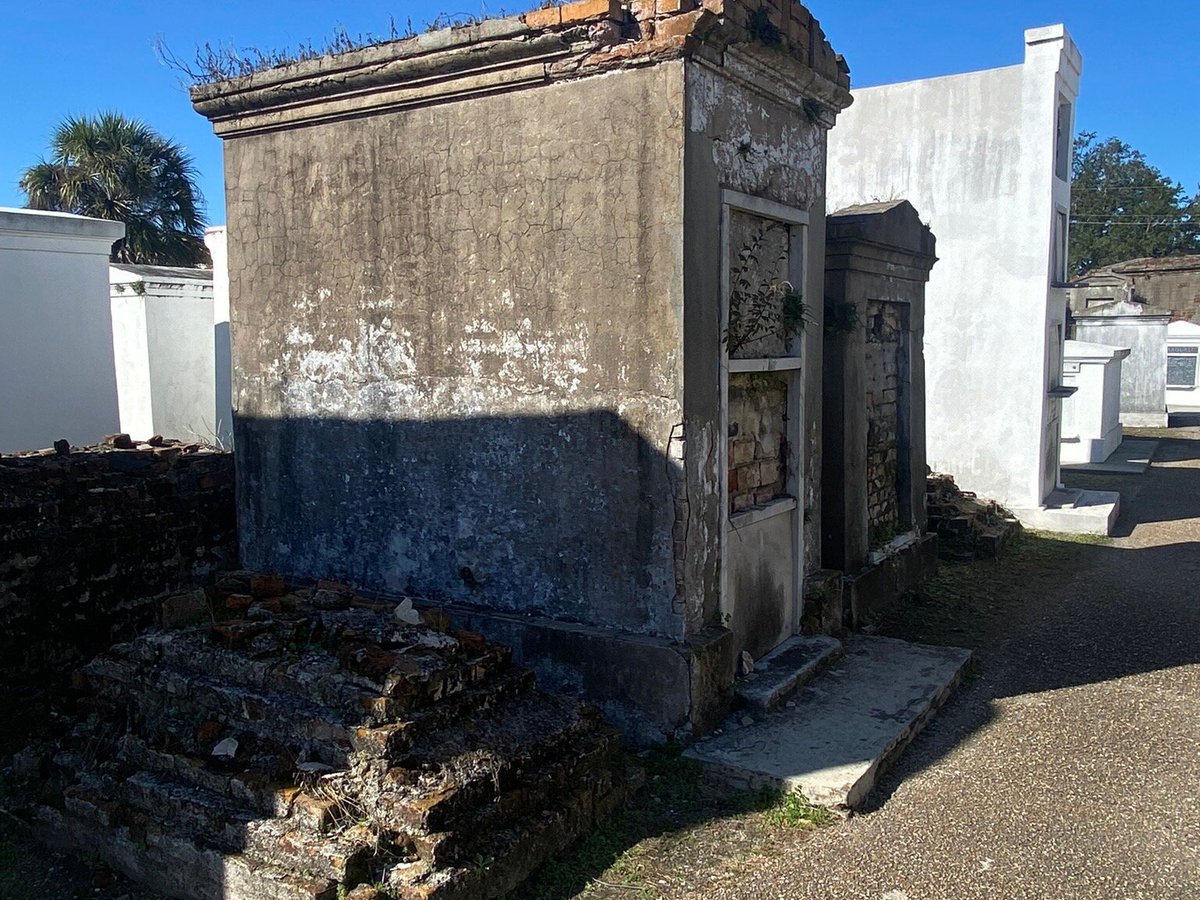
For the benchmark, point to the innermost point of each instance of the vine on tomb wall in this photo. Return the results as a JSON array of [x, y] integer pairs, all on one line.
[[761, 307]]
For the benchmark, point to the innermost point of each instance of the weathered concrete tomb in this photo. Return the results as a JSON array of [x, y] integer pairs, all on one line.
[[986, 157], [878, 259], [527, 324]]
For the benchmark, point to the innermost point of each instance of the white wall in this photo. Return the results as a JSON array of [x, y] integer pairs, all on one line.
[[214, 238], [1183, 334], [975, 154], [162, 339], [57, 378], [1144, 372]]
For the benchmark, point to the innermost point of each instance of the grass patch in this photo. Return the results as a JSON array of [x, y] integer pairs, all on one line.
[[793, 810], [968, 601], [681, 829]]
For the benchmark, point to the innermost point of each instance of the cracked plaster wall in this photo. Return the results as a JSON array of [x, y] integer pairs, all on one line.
[[742, 139], [458, 346]]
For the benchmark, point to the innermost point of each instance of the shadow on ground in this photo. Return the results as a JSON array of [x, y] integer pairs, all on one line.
[[1059, 612]]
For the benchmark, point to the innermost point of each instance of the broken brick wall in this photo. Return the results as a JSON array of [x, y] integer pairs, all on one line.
[[884, 352], [89, 539], [757, 439]]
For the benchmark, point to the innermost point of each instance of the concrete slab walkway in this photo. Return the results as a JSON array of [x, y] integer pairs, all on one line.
[[845, 727], [1132, 457], [1068, 768]]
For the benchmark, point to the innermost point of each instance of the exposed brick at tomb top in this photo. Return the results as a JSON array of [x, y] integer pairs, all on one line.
[[89, 538]]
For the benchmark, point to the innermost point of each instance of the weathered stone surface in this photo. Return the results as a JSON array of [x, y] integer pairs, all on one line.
[[788, 668], [882, 377], [318, 752], [845, 727]]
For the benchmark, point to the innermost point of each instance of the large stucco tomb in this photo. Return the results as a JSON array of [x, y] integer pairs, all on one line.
[[497, 299]]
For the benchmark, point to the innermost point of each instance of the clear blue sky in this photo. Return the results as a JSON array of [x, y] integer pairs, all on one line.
[[1141, 79]]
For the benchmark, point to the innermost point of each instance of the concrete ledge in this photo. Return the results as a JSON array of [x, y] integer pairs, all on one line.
[[1144, 420], [845, 728], [653, 689], [1132, 457], [873, 589], [1074, 512]]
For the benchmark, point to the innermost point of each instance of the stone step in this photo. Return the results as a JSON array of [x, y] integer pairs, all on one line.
[[418, 669], [845, 727], [207, 819], [442, 767], [268, 792], [195, 712], [445, 819], [506, 856], [786, 669], [172, 865], [394, 737]]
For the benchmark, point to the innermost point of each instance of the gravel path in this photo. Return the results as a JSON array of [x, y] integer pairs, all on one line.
[[1070, 766]]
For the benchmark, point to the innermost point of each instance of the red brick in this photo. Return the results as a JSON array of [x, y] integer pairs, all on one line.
[[267, 585], [685, 24], [238, 601], [546, 17], [586, 10]]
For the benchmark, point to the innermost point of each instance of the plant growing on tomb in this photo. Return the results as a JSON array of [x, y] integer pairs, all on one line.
[[841, 317], [761, 307]]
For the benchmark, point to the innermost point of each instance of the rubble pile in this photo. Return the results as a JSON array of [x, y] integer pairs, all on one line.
[[313, 745], [967, 527], [91, 538]]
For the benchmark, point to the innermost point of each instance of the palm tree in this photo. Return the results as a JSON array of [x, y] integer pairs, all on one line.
[[112, 167]]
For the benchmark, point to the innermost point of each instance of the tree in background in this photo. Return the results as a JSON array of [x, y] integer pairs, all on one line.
[[112, 167], [1124, 208]]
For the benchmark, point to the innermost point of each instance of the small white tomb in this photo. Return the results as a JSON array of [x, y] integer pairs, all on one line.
[[1183, 383], [1091, 417]]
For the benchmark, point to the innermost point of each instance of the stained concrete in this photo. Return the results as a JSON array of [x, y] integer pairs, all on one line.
[[785, 670], [845, 727], [1132, 457], [1074, 512]]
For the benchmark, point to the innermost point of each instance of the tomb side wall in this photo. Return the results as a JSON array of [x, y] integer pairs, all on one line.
[[976, 154], [458, 347]]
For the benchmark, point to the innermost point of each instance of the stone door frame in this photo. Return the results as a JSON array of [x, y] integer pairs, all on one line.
[[792, 367]]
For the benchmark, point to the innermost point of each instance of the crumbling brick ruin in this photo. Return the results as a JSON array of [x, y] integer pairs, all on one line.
[[92, 538], [314, 742]]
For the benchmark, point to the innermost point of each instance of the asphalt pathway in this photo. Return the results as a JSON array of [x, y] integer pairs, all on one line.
[[1070, 767]]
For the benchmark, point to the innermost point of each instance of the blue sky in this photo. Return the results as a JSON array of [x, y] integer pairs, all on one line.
[[1141, 79]]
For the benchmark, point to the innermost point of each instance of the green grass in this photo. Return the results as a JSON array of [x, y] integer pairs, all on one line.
[[794, 811], [677, 810]]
